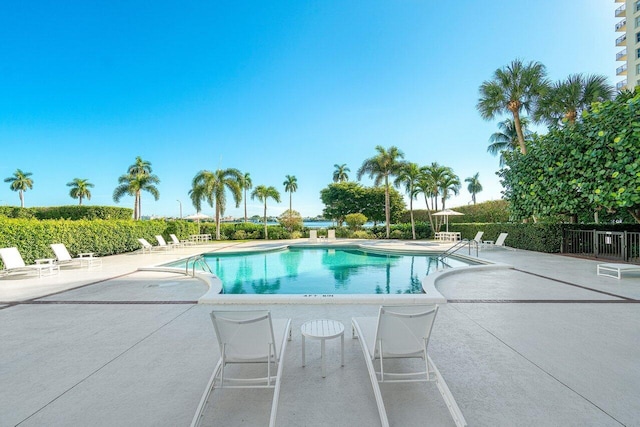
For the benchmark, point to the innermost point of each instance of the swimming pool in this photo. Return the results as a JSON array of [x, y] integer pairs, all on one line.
[[323, 271]]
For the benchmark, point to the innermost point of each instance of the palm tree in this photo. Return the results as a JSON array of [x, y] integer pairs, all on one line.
[[449, 182], [80, 189], [246, 184], [474, 186], [506, 139], [340, 174], [514, 88], [263, 193], [567, 99], [212, 186], [20, 182], [134, 185], [410, 176], [380, 167], [138, 178], [290, 186], [434, 174], [429, 190]]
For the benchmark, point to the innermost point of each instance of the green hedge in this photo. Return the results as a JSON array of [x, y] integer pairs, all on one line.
[[485, 212], [74, 212], [538, 237], [103, 237], [244, 230]]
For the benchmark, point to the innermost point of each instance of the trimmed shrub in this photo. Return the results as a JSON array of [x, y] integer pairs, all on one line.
[[486, 212], [33, 237], [74, 212], [423, 231], [361, 234]]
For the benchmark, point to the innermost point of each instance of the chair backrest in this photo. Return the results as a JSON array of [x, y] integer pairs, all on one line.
[[313, 235], [245, 334], [404, 330], [61, 252], [501, 238], [161, 241], [11, 258], [144, 243], [331, 234], [478, 236], [174, 238]]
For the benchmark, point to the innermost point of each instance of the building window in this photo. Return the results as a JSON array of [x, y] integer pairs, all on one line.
[[638, 69], [637, 21], [638, 5], [638, 37]]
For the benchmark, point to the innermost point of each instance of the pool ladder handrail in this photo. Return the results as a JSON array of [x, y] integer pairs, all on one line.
[[461, 244], [195, 260]]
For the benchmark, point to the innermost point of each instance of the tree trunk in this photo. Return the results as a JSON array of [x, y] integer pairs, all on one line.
[[518, 124], [266, 236], [245, 205], [413, 224], [426, 202], [80, 198], [21, 194], [387, 214], [217, 221]]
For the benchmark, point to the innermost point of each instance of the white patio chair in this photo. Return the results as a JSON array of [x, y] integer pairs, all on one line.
[[247, 336], [146, 246], [401, 332], [162, 244], [313, 236], [64, 258], [498, 243], [331, 234], [179, 243], [13, 263]]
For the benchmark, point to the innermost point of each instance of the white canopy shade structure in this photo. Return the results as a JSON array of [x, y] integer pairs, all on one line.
[[446, 213]]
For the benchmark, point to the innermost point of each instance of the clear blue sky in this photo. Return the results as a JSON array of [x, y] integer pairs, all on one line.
[[270, 88]]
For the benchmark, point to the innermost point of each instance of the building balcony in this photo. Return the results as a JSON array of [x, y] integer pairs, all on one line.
[[622, 40], [621, 11], [622, 55], [621, 84], [621, 70], [621, 26]]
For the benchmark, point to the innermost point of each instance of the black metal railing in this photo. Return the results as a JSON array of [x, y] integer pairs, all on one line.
[[612, 245]]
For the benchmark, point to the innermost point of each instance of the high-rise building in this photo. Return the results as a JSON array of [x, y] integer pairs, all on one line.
[[629, 40]]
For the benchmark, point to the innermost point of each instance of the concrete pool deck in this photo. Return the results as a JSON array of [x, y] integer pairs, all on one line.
[[545, 343]]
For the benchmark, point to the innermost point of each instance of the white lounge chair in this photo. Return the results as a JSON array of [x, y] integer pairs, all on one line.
[[13, 263], [615, 270], [331, 234], [178, 243], [146, 246], [64, 258], [401, 332], [498, 243], [162, 244], [313, 236], [247, 336]]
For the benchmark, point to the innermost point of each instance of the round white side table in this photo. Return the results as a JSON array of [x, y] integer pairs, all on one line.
[[322, 329]]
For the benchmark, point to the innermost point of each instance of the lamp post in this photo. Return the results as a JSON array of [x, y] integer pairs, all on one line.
[[180, 208]]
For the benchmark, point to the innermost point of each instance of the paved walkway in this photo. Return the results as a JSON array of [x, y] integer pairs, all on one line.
[[547, 343]]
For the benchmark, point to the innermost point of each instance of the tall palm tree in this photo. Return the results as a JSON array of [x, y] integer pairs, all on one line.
[[514, 88], [138, 178], [449, 183], [80, 189], [426, 185], [567, 99], [410, 176], [134, 185], [506, 139], [290, 186], [340, 174], [246, 184], [385, 164], [212, 186], [474, 186], [20, 182], [434, 174], [264, 193]]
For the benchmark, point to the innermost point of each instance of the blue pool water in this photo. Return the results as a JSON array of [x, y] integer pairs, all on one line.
[[323, 271]]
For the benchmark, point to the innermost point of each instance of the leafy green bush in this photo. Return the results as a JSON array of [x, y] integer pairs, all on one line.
[[103, 237], [361, 234], [538, 237], [74, 212], [355, 220], [423, 231], [485, 212]]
